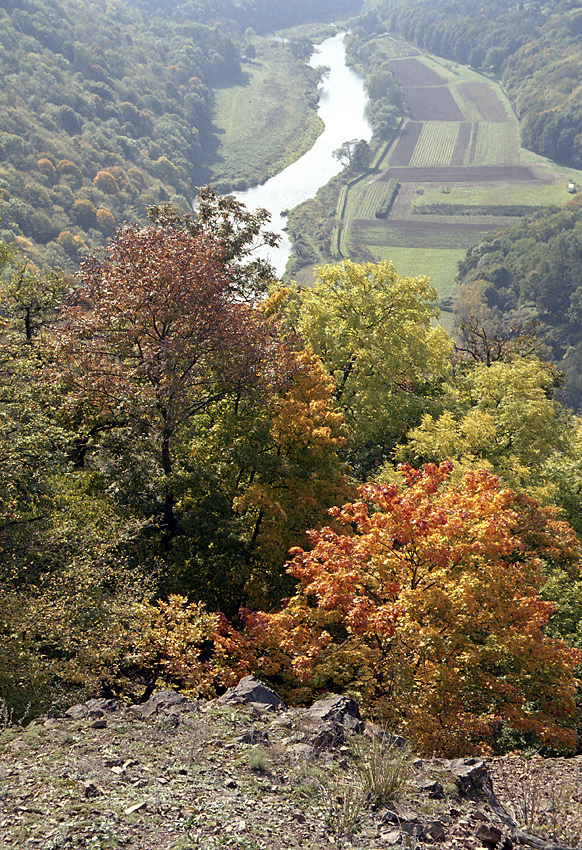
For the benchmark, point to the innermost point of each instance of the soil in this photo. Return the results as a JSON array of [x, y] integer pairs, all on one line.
[[413, 72], [463, 140], [460, 175], [431, 103], [406, 143], [210, 776], [485, 99]]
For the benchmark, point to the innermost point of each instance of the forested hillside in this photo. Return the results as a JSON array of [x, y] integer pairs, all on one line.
[[106, 109], [536, 49]]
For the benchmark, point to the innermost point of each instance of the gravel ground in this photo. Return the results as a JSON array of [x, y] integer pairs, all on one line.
[[210, 776]]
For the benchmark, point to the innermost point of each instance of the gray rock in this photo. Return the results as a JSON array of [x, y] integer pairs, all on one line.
[[97, 707], [254, 736], [91, 790], [92, 708], [77, 712], [339, 709], [434, 790], [251, 690], [328, 736], [302, 752], [435, 831], [470, 774], [164, 702]]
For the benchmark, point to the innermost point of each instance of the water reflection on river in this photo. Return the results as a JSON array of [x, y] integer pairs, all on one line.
[[342, 107]]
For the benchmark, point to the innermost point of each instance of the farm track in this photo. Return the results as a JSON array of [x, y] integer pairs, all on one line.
[[463, 174]]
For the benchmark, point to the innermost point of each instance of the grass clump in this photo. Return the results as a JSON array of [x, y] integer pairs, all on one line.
[[384, 765], [258, 760]]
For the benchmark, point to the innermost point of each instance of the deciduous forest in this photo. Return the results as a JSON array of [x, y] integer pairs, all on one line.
[[206, 472]]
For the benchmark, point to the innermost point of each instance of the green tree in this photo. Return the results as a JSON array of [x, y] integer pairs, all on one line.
[[374, 332], [502, 415]]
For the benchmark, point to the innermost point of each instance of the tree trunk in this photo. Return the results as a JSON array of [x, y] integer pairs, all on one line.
[[170, 523]]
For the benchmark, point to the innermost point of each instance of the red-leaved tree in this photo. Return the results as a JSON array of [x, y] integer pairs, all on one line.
[[158, 334]]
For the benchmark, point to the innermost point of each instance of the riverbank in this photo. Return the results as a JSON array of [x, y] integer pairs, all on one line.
[[268, 120]]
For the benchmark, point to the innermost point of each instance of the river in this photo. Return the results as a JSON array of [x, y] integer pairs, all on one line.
[[342, 107]]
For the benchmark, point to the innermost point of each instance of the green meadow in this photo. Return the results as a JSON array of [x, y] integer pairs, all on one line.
[[274, 105]]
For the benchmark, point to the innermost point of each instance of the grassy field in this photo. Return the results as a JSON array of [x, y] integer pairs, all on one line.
[[479, 194], [497, 144], [415, 261], [269, 105]]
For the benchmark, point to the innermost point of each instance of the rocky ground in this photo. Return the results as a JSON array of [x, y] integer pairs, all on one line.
[[246, 772]]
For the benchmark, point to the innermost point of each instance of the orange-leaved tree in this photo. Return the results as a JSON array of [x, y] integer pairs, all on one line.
[[427, 609]]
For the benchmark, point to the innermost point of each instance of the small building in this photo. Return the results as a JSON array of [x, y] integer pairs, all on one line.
[[572, 187]]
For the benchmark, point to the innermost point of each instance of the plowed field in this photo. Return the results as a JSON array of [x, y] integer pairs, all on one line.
[[433, 103], [413, 72], [468, 174], [406, 143]]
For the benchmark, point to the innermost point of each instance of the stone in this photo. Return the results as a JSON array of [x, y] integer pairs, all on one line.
[[100, 706], [434, 790], [90, 790], [163, 702], [254, 736], [251, 690], [100, 723], [328, 736], [470, 774], [339, 709], [435, 831], [92, 708], [491, 836], [302, 752], [76, 712]]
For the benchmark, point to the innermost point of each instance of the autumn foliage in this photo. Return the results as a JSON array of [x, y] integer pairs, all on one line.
[[426, 606]]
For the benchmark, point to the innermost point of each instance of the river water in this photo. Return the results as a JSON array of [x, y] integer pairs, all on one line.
[[342, 107]]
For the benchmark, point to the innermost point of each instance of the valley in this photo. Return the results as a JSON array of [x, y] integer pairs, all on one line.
[[460, 170]]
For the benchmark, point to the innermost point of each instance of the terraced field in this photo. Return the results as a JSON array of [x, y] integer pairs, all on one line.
[[460, 140]]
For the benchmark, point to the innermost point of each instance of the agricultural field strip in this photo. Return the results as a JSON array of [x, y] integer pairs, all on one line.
[[460, 133], [436, 144], [497, 143], [365, 199]]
